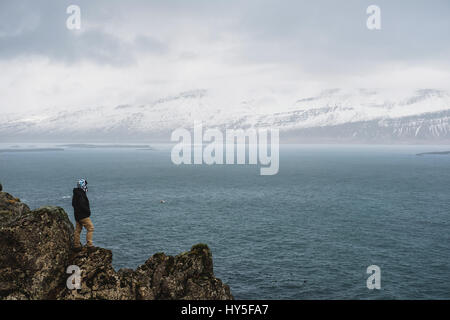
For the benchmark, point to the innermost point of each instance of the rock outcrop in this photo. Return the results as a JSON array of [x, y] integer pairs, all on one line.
[[11, 208], [36, 248]]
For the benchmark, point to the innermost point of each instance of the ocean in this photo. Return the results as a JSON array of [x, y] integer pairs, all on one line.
[[309, 232]]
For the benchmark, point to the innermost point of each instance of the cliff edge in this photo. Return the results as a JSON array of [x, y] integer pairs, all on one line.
[[36, 248]]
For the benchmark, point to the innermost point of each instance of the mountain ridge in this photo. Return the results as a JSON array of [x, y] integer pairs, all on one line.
[[363, 115]]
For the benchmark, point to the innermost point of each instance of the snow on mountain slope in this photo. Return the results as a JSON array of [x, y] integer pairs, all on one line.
[[357, 114]]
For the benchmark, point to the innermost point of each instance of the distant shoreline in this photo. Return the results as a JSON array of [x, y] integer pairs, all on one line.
[[434, 152], [115, 146], [31, 150], [63, 147]]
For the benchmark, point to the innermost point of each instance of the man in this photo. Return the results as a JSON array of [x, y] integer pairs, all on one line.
[[82, 212]]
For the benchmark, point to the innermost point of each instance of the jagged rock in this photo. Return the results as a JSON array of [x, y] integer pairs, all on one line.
[[188, 275], [36, 249], [98, 278], [11, 207]]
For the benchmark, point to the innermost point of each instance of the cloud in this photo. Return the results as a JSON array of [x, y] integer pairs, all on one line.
[[321, 35], [39, 29], [138, 51]]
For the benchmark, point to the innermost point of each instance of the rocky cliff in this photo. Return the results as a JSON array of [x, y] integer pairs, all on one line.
[[36, 248]]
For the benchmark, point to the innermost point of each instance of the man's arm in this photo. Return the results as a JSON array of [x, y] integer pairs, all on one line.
[[74, 201], [86, 205]]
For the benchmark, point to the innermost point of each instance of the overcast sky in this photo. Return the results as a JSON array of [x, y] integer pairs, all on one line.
[[133, 52]]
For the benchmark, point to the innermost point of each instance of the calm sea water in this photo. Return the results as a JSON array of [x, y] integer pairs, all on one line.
[[309, 232]]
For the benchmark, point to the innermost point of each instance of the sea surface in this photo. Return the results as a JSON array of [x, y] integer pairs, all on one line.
[[309, 232]]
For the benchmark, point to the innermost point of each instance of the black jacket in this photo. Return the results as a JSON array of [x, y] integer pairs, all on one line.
[[80, 204]]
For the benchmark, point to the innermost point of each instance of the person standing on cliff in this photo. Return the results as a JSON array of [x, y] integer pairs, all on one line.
[[82, 213]]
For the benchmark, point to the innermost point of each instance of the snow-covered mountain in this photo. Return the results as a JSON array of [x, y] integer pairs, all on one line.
[[337, 115]]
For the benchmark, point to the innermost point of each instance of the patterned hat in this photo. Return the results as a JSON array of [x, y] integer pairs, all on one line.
[[82, 183]]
